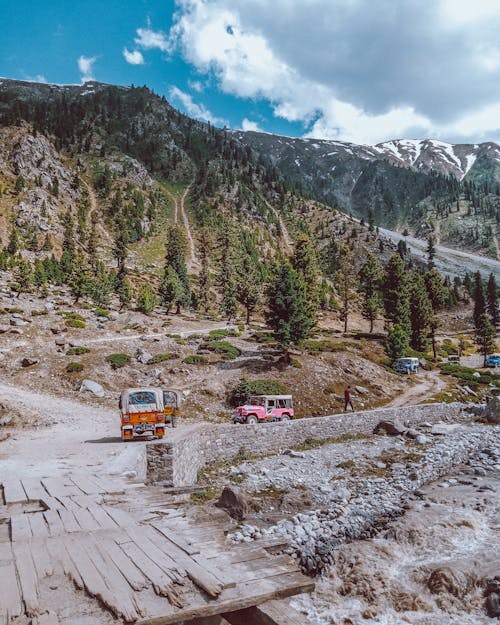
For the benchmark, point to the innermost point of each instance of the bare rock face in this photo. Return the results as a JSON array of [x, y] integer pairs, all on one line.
[[393, 428], [234, 501], [492, 411]]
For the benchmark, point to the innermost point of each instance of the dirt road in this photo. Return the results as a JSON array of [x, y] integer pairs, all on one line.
[[428, 384]]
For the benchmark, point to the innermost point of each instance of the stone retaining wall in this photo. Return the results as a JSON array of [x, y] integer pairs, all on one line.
[[178, 463]]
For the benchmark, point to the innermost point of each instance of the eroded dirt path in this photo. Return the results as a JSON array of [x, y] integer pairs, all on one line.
[[428, 384]]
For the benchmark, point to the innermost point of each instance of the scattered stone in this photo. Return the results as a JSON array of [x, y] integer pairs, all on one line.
[[234, 501], [392, 428], [361, 390], [411, 433], [130, 474], [60, 342], [421, 439], [55, 330], [92, 387], [142, 356], [492, 411], [4, 329], [29, 362]]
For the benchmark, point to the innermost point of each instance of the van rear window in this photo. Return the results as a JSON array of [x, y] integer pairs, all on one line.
[[142, 397]]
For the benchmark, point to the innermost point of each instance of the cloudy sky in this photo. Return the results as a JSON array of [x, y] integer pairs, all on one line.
[[354, 70]]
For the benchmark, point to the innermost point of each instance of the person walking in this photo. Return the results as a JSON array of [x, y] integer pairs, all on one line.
[[347, 399]]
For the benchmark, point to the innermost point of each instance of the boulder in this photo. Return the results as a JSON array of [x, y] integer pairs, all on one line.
[[29, 362], [492, 411], [4, 329], [361, 390], [141, 355], [234, 501], [60, 342], [392, 428], [92, 387]]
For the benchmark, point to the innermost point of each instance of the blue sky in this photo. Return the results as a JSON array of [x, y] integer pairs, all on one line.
[[352, 70]]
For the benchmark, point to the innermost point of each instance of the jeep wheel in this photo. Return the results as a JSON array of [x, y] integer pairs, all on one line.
[[285, 417], [252, 419]]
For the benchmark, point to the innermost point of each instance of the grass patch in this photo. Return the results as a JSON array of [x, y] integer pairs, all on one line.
[[195, 359], [222, 467], [101, 312], [202, 497], [221, 333], [75, 323], [77, 351], [39, 313], [224, 348], [117, 361], [162, 358], [74, 367], [263, 337], [346, 464], [70, 314], [313, 443], [466, 374], [316, 347]]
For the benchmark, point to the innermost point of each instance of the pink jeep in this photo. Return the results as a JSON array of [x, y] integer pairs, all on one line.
[[264, 408]]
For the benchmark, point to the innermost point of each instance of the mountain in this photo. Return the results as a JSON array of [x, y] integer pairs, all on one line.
[[427, 186]]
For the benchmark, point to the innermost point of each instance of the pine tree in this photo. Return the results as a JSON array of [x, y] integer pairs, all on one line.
[[249, 285], [288, 314], [396, 344], [23, 277], [68, 244], [146, 299], [124, 290], [15, 242], [120, 250], [175, 258], [228, 268], [370, 277], [479, 299], [345, 282], [431, 251], [171, 290], [396, 293], [101, 285], [79, 280], [420, 314], [39, 273], [485, 336], [437, 291], [204, 278], [492, 297], [305, 261]]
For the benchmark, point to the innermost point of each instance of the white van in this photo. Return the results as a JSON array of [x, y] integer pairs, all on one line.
[[406, 365]]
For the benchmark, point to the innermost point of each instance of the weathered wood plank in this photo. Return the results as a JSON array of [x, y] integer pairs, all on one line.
[[185, 545], [84, 501], [102, 517], [60, 559], [270, 613], [39, 527], [86, 520], [120, 517], [68, 503], [13, 491], [91, 577], [106, 488], [127, 568], [54, 522], [10, 595], [36, 492], [198, 575], [20, 527], [27, 576], [243, 596], [69, 521], [124, 596], [59, 487], [87, 486], [149, 540], [44, 564]]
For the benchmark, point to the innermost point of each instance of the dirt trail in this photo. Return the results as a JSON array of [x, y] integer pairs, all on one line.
[[287, 239], [93, 208], [193, 259], [77, 437], [429, 383]]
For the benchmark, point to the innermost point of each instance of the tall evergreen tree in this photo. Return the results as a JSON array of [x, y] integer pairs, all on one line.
[[479, 299], [68, 244], [305, 261], [175, 258], [23, 277], [249, 285], [120, 249], [80, 279], [421, 314], [204, 277], [288, 313], [15, 241], [431, 251], [370, 280], [345, 282], [396, 294], [492, 297], [171, 290], [396, 344], [227, 244], [485, 336], [437, 291]]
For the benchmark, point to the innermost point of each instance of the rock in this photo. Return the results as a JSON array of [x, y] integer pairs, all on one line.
[[141, 355], [421, 439], [476, 374], [392, 428], [130, 474], [361, 390], [4, 329], [493, 605], [92, 387], [492, 411], [447, 580], [411, 433], [234, 501], [113, 315], [469, 391], [29, 362], [55, 330], [154, 373], [6, 420], [60, 342]]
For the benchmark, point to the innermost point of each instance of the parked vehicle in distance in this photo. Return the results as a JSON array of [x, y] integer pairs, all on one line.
[[406, 365], [493, 360], [172, 406], [262, 408], [142, 412], [454, 359]]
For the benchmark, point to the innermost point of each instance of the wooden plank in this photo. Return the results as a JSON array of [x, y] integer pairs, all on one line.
[[270, 613], [43, 562], [102, 517], [49, 618], [36, 492], [243, 596], [92, 579], [119, 516], [127, 568], [13, 491], [198, 575], [59, 487], [60, 558], [86, 520], [69, 521], [123, 595], [56, 527], [10, 597], [20, 527], [39, 527], [155, 553], [68, 503], [106, 487], [84, 501], [85, 485], [27, 576], [185, 545], [264, 568]]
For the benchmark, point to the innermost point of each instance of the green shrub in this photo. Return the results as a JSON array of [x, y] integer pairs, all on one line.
[[466, 374], [39, 313], [74, 367], [221, 333], [69, 314], [161, 358], [263, 337], [14, 309], [117, 361], [75, 323], [245, 388], [224, 348], [195, 359], [101, 312], [77, 351]]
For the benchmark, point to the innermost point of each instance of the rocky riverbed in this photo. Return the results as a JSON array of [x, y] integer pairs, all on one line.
[[400, 531]]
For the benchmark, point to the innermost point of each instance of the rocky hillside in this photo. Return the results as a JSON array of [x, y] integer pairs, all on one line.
[[451, 191]]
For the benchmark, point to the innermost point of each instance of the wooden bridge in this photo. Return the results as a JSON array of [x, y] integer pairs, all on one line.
[[77, 549]]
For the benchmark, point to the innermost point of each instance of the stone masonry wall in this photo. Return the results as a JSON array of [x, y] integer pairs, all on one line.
[[178, 462]]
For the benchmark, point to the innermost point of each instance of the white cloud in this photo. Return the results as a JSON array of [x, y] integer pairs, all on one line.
[[195, 85], [247, 124], [363, 70], [86, 67], [134, 58], [149, 40], [198, 111]]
